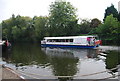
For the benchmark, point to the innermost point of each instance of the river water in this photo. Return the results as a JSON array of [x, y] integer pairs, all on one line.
[[35, 62]]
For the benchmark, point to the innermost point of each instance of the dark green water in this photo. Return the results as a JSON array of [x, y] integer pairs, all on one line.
[[46, 63]]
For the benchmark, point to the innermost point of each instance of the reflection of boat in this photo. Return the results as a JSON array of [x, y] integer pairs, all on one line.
[[57, 52], [71, 42], [73, 53]]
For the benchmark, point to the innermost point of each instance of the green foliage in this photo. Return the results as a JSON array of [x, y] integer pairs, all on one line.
[[89, 26], [85, 26], [41, 29], [62, 19], [17, 28], [111, 10], [109, 30], [95, 23]]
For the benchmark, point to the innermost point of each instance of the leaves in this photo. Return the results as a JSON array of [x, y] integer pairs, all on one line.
[[109, 30], [40, 24], [62, 14], [111, 10], [62, 21]]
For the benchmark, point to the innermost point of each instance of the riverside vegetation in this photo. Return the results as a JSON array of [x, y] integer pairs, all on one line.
[[62, 21]]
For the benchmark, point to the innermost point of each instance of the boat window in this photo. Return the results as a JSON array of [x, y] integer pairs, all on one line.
[[67, 40], [48, 40], [59, 40], [71, 40]]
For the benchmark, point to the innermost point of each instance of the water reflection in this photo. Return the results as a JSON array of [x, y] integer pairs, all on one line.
[[71, 53], [59, 61], [26, 54], [112, 60], [62, 61]]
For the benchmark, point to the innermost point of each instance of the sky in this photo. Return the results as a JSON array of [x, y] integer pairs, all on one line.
[[86, 9]]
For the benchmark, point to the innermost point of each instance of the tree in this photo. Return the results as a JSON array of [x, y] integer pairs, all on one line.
[[61, 15], [111, 10], [109, 30], [95, 23], [7, 28], [41, 29], [84, 26], [20, 29], [15, 28]]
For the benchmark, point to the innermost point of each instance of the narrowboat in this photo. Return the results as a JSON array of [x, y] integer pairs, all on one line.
[[71, 42]]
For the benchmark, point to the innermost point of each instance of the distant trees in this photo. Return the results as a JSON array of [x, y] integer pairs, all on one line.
[[41, 28], [88, 26], [21, 28], [109, 31], [84, 27], [15, 27], [95, 23], [111, 10], [62, 19]]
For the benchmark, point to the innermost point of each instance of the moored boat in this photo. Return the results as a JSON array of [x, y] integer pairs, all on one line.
[[71, 42]]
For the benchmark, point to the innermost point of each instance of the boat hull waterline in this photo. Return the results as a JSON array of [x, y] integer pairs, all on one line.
[[68, 46]]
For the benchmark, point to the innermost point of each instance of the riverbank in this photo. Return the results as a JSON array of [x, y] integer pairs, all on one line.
[[8, 73]]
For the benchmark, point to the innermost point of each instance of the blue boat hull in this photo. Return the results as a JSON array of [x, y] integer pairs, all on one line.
[[67, 46]]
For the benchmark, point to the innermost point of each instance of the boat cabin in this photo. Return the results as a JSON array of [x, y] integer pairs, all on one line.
[[71, 41]]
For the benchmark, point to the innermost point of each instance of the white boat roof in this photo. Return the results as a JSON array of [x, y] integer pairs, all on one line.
[[68, 37]]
